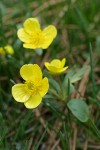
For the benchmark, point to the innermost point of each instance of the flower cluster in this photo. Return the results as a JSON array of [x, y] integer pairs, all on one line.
[[34, 88]]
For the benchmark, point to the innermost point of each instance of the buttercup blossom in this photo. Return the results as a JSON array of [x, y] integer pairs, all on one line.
[[33, 37], [56, 66], [33, 89], [2, 52], [8, 49]]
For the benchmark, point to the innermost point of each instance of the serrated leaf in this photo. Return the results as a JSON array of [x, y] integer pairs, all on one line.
[[79, 109]]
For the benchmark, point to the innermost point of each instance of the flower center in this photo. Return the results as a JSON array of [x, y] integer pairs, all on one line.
[[31, 87], [38, 38]]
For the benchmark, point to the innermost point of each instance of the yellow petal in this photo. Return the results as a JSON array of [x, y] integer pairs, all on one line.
[[30, 46], [56, 63], [47, 65], [53, 69], [46, 43], [31, 25], [44, 87], [63, 62], [33, 101], [62, 70], [31, 72], [23, 36], [50, 33], [20, 93]]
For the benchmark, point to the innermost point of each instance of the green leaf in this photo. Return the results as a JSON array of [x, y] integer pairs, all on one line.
[[79, 109], [54, 85], [47, 96], [79, 74], [73, 77], [93, 128], [65, 87], [41, 138], [2, 8], [98, 45], [65, 83], [0, 114]]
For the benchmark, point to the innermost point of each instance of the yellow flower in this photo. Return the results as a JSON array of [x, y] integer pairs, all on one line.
[[56, 66], [33, 37], [8, 49], [33, 89]]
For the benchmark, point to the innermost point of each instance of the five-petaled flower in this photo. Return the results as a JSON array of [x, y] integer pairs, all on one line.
[[33, 89], [56, 66], [33, 37]]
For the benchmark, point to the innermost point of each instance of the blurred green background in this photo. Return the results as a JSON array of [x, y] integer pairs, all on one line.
[[78, 25]]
